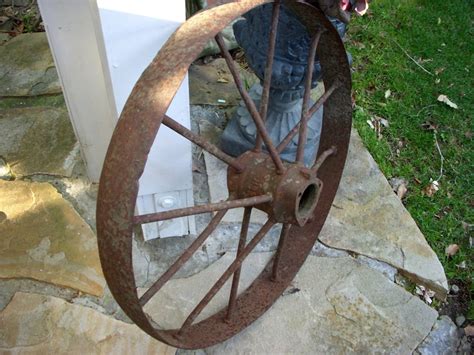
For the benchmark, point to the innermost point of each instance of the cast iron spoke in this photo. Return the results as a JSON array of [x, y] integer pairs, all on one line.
[[262, 130], [307, 96], [182, 259], [211, 207], [199, 141], [284, 143], [323, 98], [281, 245], [242, 241], [225, 276], [268, 70], [324, 155]]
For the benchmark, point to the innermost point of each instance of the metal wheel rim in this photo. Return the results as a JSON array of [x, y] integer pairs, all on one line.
[[131, 143]]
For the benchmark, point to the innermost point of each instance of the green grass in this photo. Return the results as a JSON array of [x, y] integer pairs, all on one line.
[[439, 35]]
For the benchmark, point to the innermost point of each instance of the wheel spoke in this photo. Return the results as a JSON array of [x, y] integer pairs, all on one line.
[[268, 69], [262, 130], [242, 241], [324, 155], [211, 207], [225, 276], [182, 259], [281, 245], [199, 141], [284, 143], [307, 96]]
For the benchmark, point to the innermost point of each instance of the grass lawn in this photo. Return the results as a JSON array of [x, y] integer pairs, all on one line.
[[438, 36]]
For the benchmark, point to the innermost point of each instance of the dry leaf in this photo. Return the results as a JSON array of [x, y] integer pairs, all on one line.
[[462, 265], [451, 249], [447, 101], [196, 168], [222, 80], [431, 189], [427, 294], [402, 191], [437, 81], [429, 126], [469, 330], [388, 93], [439, 71]]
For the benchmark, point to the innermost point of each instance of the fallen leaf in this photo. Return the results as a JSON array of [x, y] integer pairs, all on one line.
[[469, 330], [447, 101], [451, 249], [402, 191], [429, 126], [371, 125], [437, 81], [425, 293], [418, 181], [439, 71], [388, 93], [431, 189], [462, 265], [222, 80], [3, 19], [439, 20], [196, 168]]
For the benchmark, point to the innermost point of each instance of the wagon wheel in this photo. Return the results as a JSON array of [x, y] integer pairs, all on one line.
[[296, 196]]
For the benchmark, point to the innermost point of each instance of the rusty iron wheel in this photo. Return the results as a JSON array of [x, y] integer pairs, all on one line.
[[300, 207]]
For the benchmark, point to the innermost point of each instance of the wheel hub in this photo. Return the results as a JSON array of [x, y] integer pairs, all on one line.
[[295, 192]]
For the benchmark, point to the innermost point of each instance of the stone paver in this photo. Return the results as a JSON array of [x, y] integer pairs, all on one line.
[[27, 67], [44, 238], [341, 307], [38, 140], [36, 324], [368, 218]]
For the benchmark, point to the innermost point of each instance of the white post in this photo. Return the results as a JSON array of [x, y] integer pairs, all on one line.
[[100, 48]]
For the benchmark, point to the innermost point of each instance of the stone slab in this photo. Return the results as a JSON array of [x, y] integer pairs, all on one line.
[[336, 306], [38, 140], [27, 67], [36, 324], [44, 238], [369, 219], [212, 84]]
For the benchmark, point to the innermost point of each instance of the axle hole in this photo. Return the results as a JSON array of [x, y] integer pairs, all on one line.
[[307, 200]]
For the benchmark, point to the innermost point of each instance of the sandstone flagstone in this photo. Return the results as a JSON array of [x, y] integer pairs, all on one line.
[[44, 238], [369, 219], [38, 140], [27, 67], [337, 306], [37, 324]]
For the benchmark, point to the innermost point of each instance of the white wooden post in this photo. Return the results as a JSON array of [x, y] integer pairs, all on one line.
[[100, 48]]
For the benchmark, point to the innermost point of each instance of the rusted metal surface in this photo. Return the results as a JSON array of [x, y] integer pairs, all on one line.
[[259, 123], [321, 101], [188, 253], [236, 279], [212, 207], [200, 142], [307, 95], [294, 193], [142, 116], [268, 69]]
